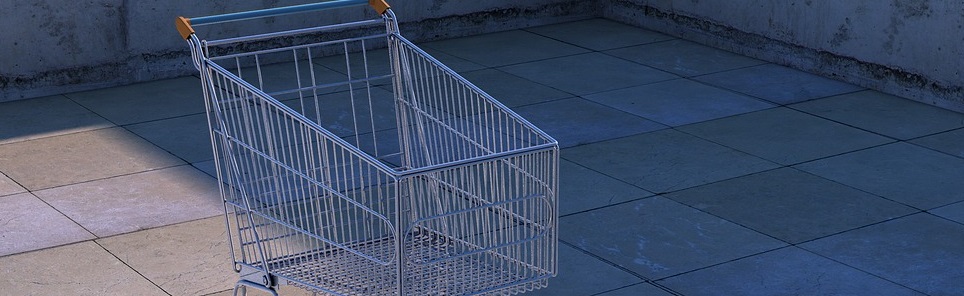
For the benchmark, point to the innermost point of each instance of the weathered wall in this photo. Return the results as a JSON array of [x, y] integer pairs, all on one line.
[[57, 46], [912, 48]]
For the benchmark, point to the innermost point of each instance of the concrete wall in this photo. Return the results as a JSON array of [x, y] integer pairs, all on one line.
[[912, 48], [57, 46]]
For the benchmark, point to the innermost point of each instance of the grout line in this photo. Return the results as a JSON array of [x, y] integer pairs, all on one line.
[[158, 146], [945, 218], [66, 216], [652, 283], [695, 79], [528, 29], [728, 261], [61, 134], [859, 269], [90, 110], [856, 188], [62, 214], [614, 265], [131, 267], [25, 190], [160, 119], [117, 176], [680, 129], [609, 205], [860, 227], [220, 214], [933, 134]]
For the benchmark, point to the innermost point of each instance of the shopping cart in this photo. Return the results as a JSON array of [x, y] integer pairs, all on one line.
[[351, 162]]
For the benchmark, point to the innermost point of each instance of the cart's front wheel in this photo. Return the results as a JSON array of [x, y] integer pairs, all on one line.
[[242, 287]]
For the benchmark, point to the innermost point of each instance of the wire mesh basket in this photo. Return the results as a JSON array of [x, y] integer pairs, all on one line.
[[354, 163]]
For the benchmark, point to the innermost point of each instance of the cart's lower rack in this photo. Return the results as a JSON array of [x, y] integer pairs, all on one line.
[[341, 272]]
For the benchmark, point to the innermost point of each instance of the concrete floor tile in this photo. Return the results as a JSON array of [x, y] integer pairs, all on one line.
[[588, 73], [583, 189], [186, 137], [666, 160], [599, 34], [952, 211], [951, 142], [183, 259], [684, 58], [139, 201], [885, 114], [643, 289], [790, 205], [460, 65], [78, 157], [45, 117], [582, 274], [512, 90], [657, 238], [27, 223], [902, 172], [785, 136], [8, 187], [147, 101], [778, 84], [921, 251], [678, 102], [576, 121], [778, 273], [207, 167], [77, 269], [504, 48]]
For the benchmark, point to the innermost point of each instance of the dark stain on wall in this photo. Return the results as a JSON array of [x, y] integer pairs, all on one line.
[[437, 5], [842, 35], [904, 10], [912, 8], [58, 28]]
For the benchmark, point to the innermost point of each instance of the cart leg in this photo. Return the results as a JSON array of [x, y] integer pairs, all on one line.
[[242, 286]]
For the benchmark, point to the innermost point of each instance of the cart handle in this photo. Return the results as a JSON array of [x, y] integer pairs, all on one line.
[[183, 24]]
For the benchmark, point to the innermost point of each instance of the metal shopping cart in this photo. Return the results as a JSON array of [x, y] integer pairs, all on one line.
[[351, 162]]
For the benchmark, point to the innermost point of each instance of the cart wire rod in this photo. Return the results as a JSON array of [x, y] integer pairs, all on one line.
[[314, 182], [328, 241], [474, 88], [245, 15], [281, 49], [303, 120], [480, 249], [481, 203], [295, 32], [465, 161]]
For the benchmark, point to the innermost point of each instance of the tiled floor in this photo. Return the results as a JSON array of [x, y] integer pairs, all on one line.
[[686, 170]]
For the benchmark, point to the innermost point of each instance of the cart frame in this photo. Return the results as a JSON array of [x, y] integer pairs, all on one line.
[[466, 206]]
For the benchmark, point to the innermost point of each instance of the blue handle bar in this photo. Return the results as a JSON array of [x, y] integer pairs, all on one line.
[[236, 16]]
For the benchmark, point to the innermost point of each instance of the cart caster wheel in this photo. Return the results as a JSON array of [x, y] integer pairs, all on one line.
[[243, 285]]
